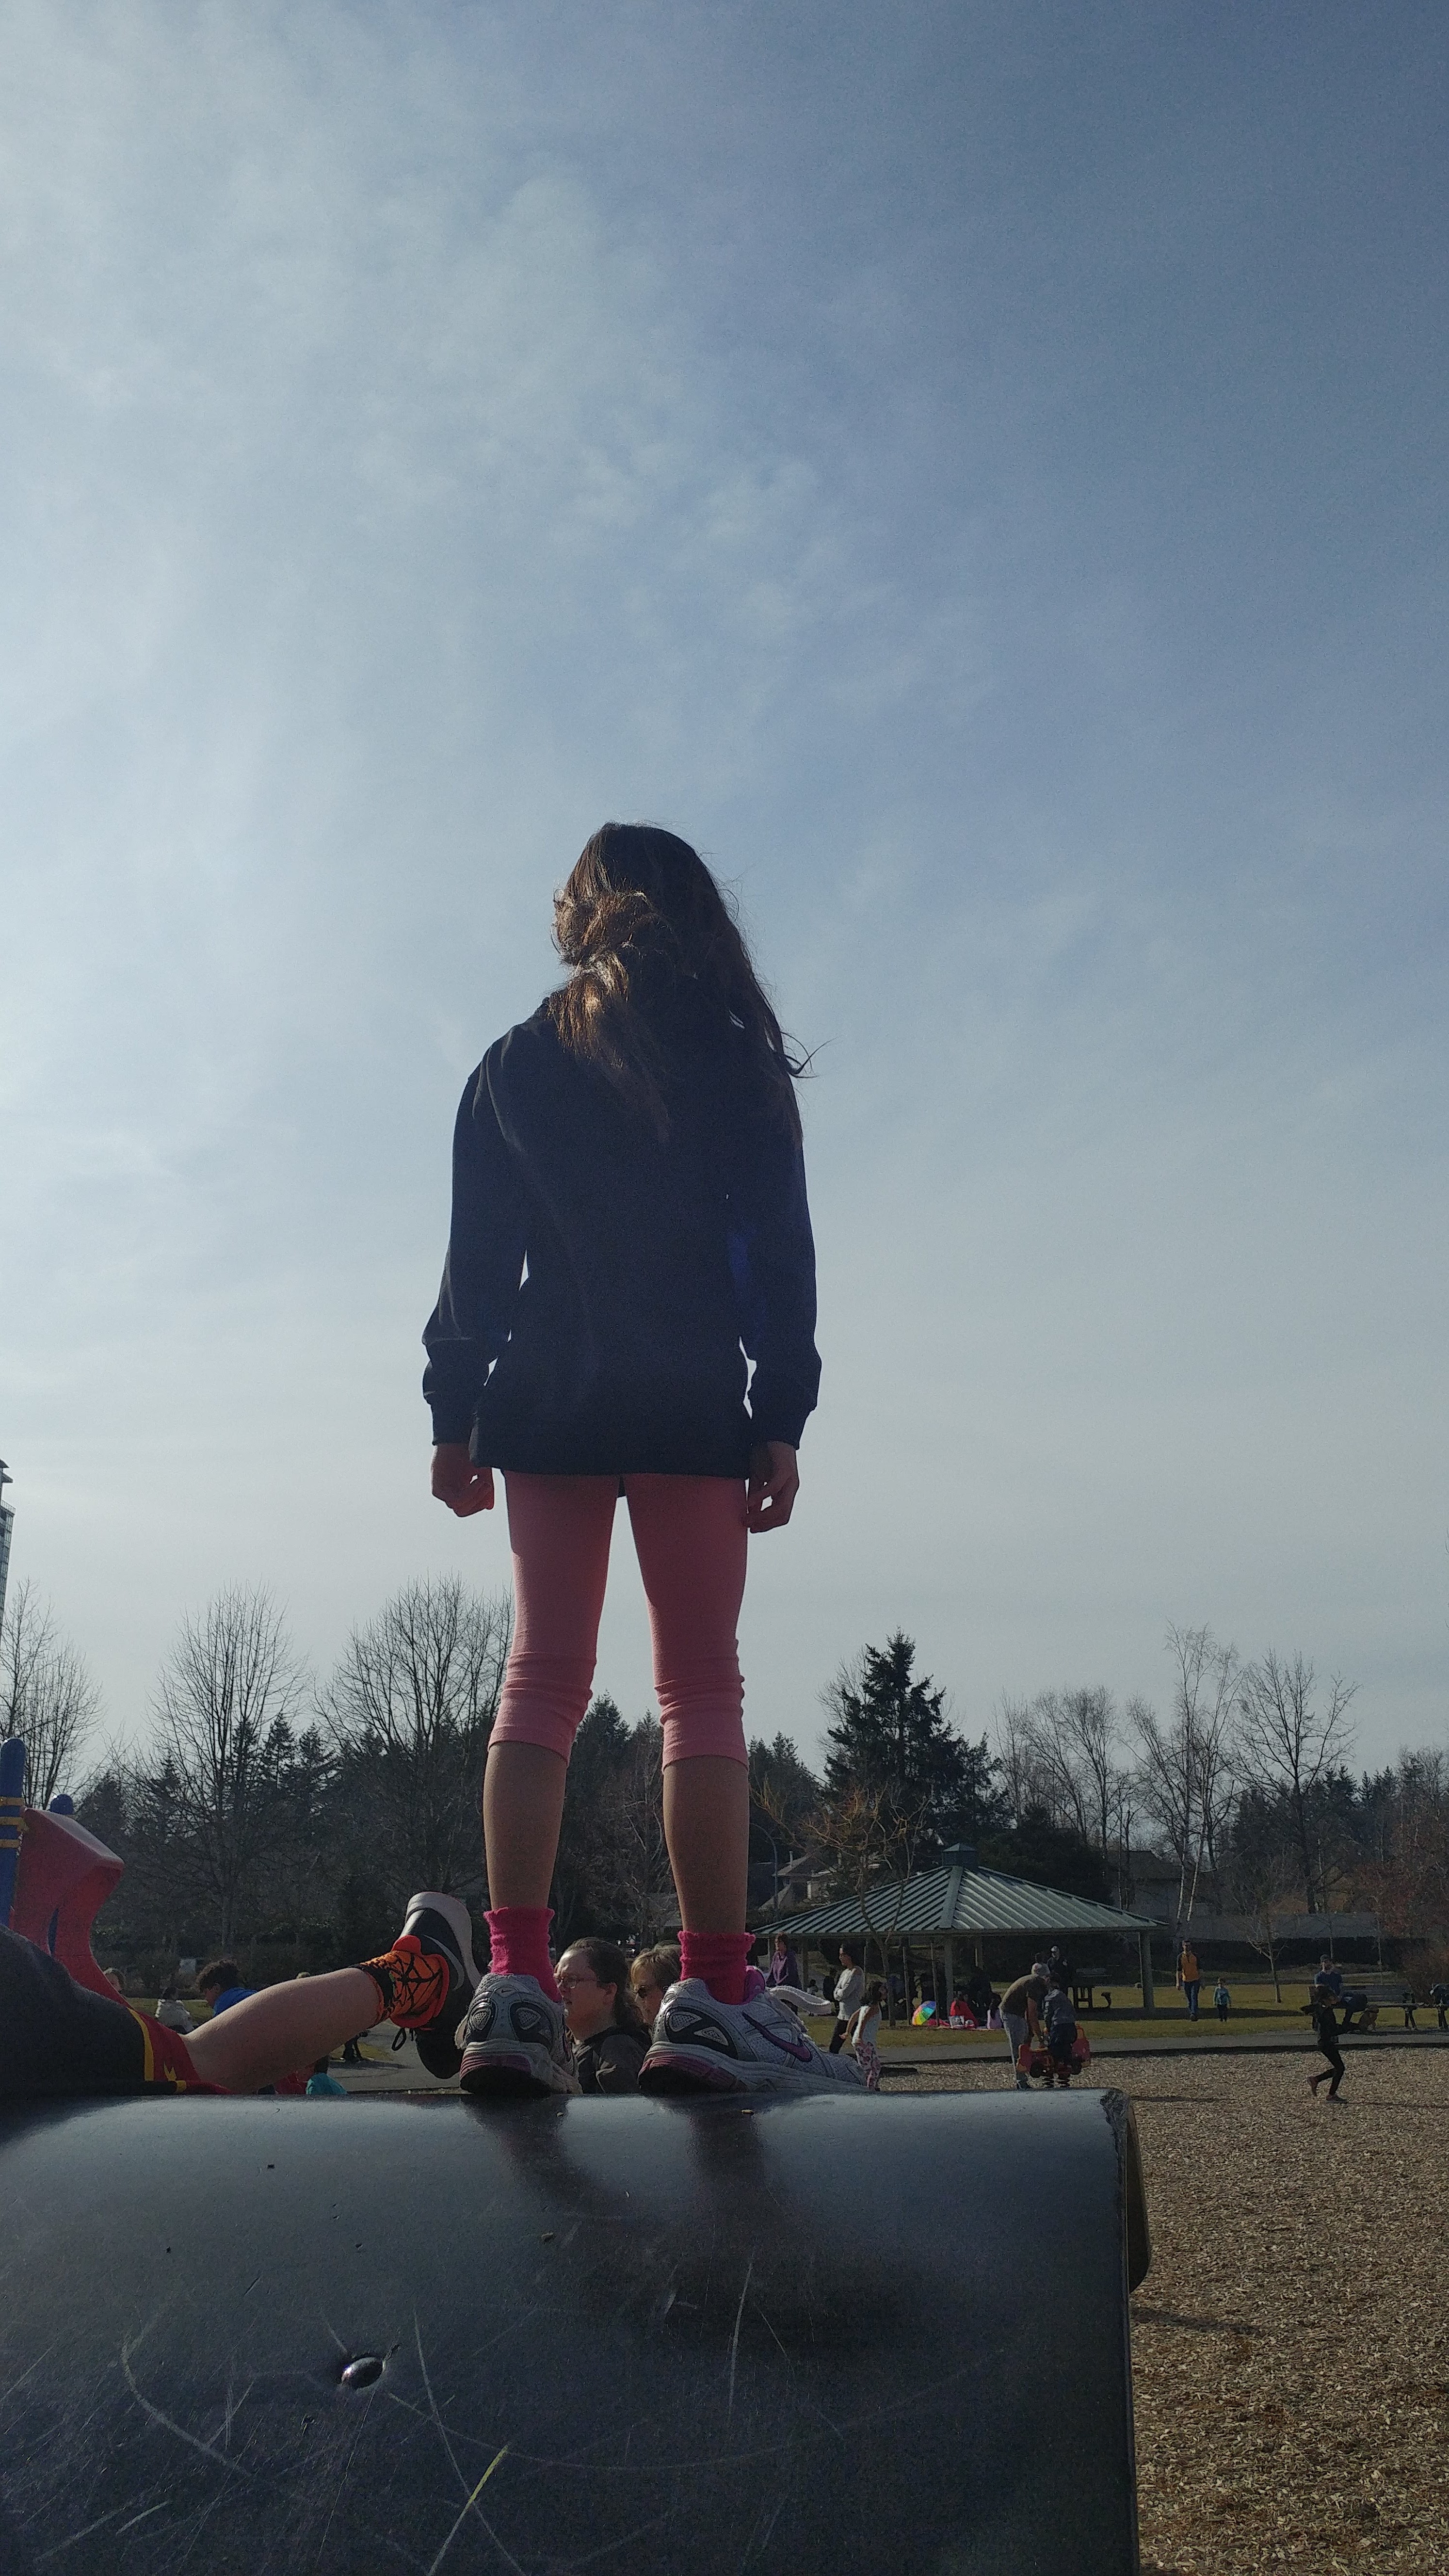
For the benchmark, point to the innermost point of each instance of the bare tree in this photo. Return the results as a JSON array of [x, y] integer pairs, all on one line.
[[1186, 1763], [230, 1676], [635, 1856], [1018, 1756], [1264, 1885], [1289, 1745], [410, 1709], [47, 1697]]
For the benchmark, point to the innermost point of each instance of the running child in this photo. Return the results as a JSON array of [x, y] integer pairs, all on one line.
[[864, 2034], [629, 1222], [1321, 2005]]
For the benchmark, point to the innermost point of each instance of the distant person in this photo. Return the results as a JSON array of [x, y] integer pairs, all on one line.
[[1439, 1998], [1060, 2020], [219, 1984], [1331, 1976], [610, 2037], [1189, 1977], [1222, 1999], [171, 2012], [1059, 1969], [849, 1995], [864, 2035], [783, 1968], [1021, 2020], [1411, 2006], [1321, 2005], [978, 1996]]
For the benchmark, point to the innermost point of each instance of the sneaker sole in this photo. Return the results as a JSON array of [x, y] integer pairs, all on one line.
[[680, 2074], [687, 2070], [502, 2077]]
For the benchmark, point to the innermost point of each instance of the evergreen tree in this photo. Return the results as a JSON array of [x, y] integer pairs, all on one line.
[[892, 1737]]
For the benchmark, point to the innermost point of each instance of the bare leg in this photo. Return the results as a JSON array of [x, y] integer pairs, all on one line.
[[707, 1828], [523, 1795], [282, 2029]]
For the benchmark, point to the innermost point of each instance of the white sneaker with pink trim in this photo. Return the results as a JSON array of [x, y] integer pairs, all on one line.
[[759, 2046]]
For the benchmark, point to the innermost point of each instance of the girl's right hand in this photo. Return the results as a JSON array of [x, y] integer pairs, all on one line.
[[458, 1483], [773, 1486]]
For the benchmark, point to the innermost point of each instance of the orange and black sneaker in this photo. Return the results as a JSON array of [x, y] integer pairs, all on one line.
[[430, 1976]]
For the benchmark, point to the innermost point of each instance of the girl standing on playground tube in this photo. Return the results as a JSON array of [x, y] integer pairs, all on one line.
[[629, 1221]]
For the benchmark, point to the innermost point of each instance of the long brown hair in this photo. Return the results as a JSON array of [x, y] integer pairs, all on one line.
[[641, 919], [608, 1963]]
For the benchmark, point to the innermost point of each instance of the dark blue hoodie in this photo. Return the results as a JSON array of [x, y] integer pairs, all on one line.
[[602, 1288]]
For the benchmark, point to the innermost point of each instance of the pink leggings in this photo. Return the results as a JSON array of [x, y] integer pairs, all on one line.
[[691, 1539]]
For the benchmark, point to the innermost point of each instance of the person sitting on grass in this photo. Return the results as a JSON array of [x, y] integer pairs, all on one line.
[[609, 2036], [63, 2038], [1321, 2005], [171, 2012]]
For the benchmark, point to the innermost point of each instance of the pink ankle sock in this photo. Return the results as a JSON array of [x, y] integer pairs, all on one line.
[[518, 1944], [718, 1958]]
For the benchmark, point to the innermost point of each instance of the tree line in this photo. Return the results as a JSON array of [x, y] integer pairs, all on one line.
[[290, 1818]]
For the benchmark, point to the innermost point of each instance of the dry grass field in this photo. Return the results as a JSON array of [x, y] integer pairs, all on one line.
[[1291, 2343]]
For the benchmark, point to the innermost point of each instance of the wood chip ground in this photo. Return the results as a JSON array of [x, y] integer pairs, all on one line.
[[1291, 2343]]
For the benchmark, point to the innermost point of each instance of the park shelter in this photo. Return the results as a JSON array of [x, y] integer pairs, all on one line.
[[958, 1907]]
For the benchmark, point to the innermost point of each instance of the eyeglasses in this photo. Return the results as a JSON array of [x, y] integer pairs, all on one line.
[[575, 1977]]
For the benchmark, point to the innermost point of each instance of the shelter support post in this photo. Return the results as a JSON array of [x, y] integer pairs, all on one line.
[[950, 1978], [1144, 1954]]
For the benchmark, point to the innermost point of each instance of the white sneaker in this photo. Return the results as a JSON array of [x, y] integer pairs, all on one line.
[[514, 2041], [702, 2046]]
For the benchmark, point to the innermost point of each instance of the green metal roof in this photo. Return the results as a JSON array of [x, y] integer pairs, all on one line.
[[943, 1901]]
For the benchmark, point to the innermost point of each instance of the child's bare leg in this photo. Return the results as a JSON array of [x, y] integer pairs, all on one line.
[[707, 1828], [283, 2028], [523, 1796]]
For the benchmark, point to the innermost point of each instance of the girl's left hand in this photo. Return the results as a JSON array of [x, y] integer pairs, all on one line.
[[458, 1483], [773, 1486]]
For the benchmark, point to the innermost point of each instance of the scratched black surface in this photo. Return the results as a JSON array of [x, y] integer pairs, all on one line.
[[618, 2336]]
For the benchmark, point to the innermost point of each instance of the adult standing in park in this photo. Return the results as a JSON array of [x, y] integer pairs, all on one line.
[[1021, 2020], [629, 1221], [849, 1996], [1189, 1977]]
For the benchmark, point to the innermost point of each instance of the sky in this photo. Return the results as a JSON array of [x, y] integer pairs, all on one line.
[[976, 473]]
